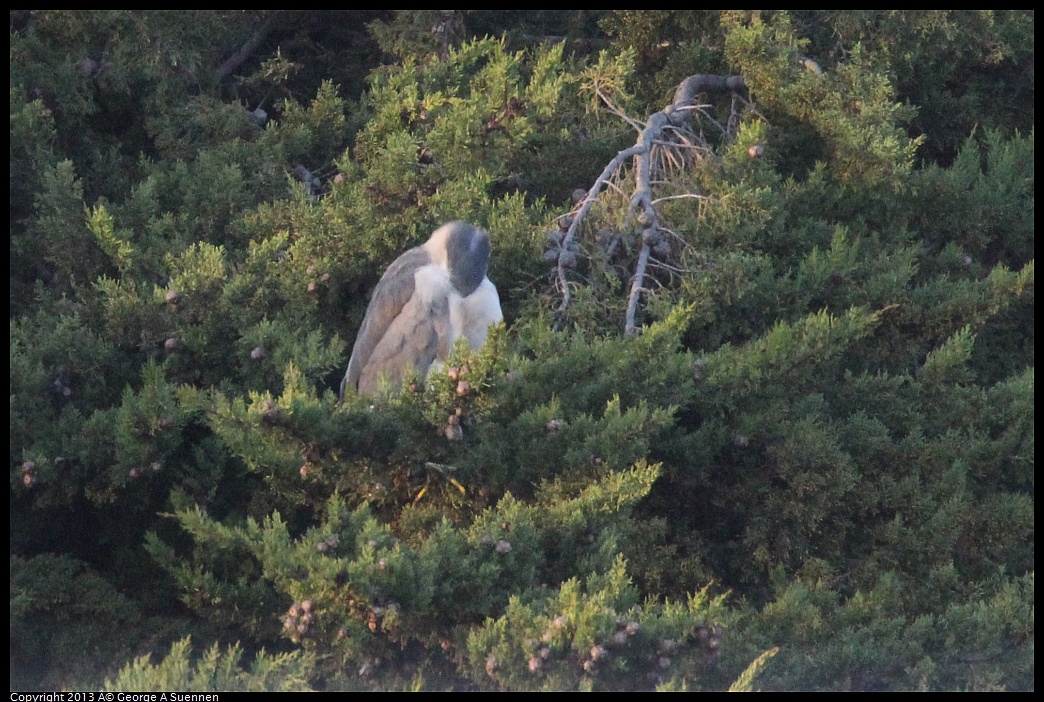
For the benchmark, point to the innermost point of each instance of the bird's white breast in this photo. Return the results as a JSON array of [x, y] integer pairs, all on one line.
[[472, 316]]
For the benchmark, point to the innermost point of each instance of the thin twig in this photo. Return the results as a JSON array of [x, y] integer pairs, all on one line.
[[682, 241], [617, 111], [679, 197], [614, 186], [716, 123], [657, 263]]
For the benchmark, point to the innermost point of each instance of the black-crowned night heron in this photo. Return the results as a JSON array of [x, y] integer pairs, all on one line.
[[428, 298]]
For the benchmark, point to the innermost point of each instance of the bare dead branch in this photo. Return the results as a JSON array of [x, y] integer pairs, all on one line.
[[229, 65], [632, 299], [586, 203], [673, 121], [692, 86]]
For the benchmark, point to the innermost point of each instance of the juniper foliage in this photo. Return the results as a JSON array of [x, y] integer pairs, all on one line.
[[811, 469]]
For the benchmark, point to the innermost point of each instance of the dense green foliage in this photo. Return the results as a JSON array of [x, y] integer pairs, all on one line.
[[811, 469]]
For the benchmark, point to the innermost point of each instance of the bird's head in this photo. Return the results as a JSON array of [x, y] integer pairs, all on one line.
[[467, 256]]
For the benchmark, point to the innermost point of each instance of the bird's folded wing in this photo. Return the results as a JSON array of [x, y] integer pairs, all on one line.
[[418, 336], [400, 329], [394, 290]]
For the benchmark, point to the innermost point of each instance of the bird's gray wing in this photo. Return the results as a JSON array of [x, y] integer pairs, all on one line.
[[416, 337], [393, 291]]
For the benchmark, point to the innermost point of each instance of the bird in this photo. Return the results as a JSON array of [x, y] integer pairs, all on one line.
[[428, 298]]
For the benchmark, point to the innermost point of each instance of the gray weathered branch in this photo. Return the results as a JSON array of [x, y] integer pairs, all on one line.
[[654, 133], [233, 62]]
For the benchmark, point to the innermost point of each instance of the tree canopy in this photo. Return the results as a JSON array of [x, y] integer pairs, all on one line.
[[760, 415]]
